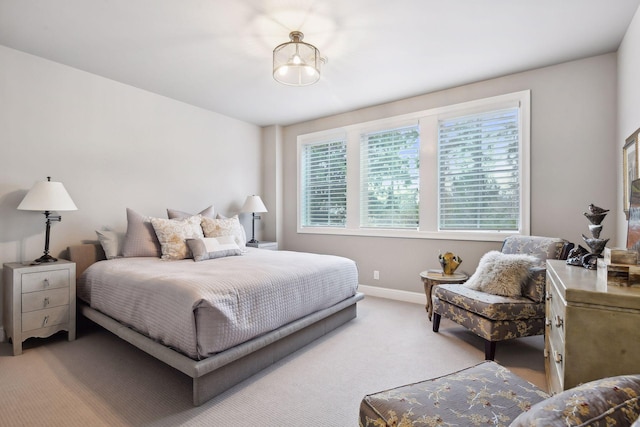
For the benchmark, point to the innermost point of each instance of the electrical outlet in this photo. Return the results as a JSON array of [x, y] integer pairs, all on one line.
[[376, 275]]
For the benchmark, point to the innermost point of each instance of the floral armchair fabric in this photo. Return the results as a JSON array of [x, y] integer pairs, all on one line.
[[489, 394], [497, 318]]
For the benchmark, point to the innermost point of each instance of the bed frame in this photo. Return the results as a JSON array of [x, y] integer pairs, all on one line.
[[218, 373]]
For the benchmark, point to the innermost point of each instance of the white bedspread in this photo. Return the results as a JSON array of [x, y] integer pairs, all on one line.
[[201, 308]]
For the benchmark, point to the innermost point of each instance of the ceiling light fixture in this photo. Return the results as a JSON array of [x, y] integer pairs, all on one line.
[[297, 63]]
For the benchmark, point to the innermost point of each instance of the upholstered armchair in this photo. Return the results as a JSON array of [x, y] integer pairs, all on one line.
[[496, 317]]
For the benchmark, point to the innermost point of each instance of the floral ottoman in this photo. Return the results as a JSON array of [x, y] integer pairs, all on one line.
[[489, 394], [484, 394]]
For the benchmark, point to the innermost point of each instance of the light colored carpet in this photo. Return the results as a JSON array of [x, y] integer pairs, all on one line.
[[99, 380]]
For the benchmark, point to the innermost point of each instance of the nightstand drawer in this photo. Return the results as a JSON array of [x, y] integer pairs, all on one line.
[[45, 299], [44, 280], [45, 318]]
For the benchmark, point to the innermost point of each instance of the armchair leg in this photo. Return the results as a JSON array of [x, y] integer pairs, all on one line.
[[489, 349], [436, 322]]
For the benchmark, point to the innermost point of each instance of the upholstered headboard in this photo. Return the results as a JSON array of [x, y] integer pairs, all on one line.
[[85, 255]]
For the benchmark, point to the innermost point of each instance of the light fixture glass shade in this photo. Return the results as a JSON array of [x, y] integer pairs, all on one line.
[[296, 63], [254, 204], [47, 196]]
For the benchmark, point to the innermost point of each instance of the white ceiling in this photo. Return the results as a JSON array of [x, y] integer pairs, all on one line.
[[216, 54]]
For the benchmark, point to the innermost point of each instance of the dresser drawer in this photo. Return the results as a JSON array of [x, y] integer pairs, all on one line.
[[43, 280], [45, 318], [553, 369], [45, 299]]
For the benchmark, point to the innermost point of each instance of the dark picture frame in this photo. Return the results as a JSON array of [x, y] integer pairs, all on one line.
[[629, 168]]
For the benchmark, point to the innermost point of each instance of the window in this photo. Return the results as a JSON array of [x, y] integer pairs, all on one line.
[[324, 184], [389, 178], [479, 162], [455, 172]]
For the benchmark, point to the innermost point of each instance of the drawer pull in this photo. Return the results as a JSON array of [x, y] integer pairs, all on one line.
[[547, 322], [548, 296], [546, 353], [46, 283], [559, 321], [557, 357], [45, 321], [45, 302]]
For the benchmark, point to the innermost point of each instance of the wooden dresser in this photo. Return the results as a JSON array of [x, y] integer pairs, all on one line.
[[39, 300], [592, 330]]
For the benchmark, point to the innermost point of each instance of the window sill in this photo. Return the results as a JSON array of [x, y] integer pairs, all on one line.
[[487, 236]]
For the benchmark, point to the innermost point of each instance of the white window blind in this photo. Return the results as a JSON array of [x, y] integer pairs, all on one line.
[[389, 182], [479, 172], [324, 184]]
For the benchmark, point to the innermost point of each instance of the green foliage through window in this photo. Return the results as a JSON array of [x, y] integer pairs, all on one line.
[[479, 162], [390, 178]]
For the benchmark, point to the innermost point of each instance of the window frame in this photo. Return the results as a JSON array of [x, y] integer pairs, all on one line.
[[429, 200]]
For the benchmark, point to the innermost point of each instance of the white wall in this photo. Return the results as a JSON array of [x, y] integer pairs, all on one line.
[[573, 129], [628, 106], [113, 146]]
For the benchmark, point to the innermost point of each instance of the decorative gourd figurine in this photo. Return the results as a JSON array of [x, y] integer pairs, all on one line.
[[449, 262]]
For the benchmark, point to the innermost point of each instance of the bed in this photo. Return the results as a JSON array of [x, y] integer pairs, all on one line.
[[233, 316]]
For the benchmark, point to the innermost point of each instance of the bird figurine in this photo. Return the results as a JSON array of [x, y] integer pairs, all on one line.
[[596, 209]]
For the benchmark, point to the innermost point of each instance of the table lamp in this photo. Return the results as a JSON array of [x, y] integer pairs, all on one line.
[[47, 196], [253, 204]]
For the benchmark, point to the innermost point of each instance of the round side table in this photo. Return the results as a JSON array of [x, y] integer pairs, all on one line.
[[430, 278]]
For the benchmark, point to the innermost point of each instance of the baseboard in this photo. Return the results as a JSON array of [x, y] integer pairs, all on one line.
[[374, 291]]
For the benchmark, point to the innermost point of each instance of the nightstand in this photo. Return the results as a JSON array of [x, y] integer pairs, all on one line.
[[39, 300], [272, 246]]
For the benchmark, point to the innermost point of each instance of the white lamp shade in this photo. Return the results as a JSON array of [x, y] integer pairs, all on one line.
[[254, 204], [47, 196]]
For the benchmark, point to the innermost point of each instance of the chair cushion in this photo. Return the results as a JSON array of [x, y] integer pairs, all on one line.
[[613, 401], [490, 330], [492, 307], [484, 394]]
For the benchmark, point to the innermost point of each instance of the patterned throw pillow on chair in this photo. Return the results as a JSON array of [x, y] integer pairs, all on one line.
[[501, 274]]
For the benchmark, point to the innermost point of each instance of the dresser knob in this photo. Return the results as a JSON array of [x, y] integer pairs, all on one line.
[[546, 353], [557, 357], [45, 321], [548, 296], [46, 283], [46, 301], [559, 321], [547, 323]]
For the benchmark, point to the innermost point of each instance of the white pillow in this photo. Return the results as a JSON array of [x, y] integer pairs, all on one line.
[[225, 227], [111, 242], [213, 247], [173, 233], [501, 274]]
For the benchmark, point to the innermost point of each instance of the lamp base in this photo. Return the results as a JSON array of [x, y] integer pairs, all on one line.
[[45, 258]]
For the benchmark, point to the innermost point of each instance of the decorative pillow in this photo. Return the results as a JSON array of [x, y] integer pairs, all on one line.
[[172, 235], [111, 242], [176, 214], [225, 227], [501, 274], [613, 401], [213, 247], [244, 233], [140, 239]]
